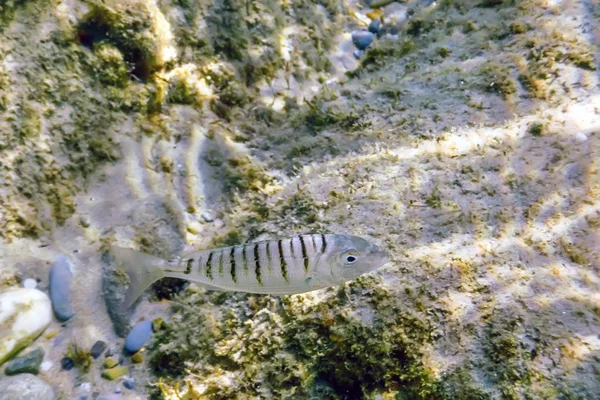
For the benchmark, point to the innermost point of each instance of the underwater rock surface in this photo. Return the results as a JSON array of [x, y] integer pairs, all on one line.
[[464, 140], [24, 314]]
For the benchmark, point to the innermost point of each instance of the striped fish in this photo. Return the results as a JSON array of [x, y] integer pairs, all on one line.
[[279, 267]]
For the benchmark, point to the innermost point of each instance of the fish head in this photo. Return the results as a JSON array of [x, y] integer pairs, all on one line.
[[352, 256]]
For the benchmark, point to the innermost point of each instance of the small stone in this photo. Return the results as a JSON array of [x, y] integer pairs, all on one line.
[[362, 39], [137, 358], [98, 348], [194, 227], [375, 26], [60, 288], [110, 363], [114, 373], [208, 216], [157, 324], [118, 389], [29, 283], [581, 137], [138, 336], [357, 53], [29, 363], [25, 386], [24, 314], [129, 384], [67, 363]]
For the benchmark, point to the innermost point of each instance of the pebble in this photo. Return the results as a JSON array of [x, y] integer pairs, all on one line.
[[25, 386], [29, 363], [129, 384], [158, 324], [113, 373], [29, 283], [24, 314], [60, 288], [580, 136], [137, 358], [138, 336], [208, 216], [357, 53], [375, 26], [98, 348], [110, 362], [362, 39], [67, 363]]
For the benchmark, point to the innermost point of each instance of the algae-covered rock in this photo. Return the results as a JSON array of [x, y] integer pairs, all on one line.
[[24, 314], [29, 363]]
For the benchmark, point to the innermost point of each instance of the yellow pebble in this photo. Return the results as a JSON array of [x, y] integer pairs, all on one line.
[[375, 14], [110, 362], [137, 358], [113, 373]]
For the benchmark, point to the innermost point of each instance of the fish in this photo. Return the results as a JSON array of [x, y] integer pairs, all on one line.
[[277, 267]]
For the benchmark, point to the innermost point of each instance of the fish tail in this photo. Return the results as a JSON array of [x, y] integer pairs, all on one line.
[[141, 268]]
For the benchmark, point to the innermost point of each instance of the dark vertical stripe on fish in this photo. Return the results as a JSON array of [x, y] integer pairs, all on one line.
[[244, 260], [209, 266], [282, 262], [304, 256], [188, 266], [324, 243], [232, 264], [257, 270]]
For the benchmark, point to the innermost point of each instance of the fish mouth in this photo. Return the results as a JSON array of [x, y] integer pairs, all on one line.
[[381, 257]]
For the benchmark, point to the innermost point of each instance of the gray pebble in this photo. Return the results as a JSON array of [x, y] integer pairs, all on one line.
[[129, 384], [98, 348], [60, 288], [138, 336], [28, 363], [25, 386], [208, 216], [357, 53], [362, 39]]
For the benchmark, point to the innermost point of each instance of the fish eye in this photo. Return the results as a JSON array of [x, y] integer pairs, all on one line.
[[349, 257]]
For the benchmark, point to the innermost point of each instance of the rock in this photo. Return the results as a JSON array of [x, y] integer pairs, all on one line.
[[208, 216], [29, 363], [362, 39], [129, 384], [98, 348], [25, 386], [138, 336], [24, 314], [137, 358], [357, 53], [157, 324], [60, 288], [29, 283], [113, 373], [110, 363], [375, 26], [67, 363]]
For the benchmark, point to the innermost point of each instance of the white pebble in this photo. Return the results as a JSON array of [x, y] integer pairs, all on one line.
[[580, 136], [46, 365], [29, 283]]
